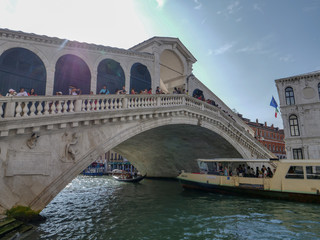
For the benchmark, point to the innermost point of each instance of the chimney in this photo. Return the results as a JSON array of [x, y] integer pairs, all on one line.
[[272, 126], [257, 121], [265, 124]]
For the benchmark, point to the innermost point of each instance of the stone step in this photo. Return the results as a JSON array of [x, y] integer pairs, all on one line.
[[9, 227], [18, 233], [6, 221]]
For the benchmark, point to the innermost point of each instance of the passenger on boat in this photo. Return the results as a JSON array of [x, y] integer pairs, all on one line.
[[269, 172], [226, 172], [257, 172]]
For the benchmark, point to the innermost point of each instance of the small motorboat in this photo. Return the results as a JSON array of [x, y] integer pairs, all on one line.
[[123, 176]]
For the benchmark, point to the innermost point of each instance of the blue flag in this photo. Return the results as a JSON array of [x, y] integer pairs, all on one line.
[[273, 103]]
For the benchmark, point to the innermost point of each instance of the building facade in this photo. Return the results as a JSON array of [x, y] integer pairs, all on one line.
[[269, 136], [300, 109]]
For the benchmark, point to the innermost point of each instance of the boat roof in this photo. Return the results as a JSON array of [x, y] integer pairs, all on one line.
[[232, 160], [293, 161]]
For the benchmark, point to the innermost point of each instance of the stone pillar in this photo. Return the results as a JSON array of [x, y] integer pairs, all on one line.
[[156, 69], [50, 81], [93, 82], [127, 78]]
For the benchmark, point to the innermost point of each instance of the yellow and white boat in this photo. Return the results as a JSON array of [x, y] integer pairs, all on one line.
[[294, 180]]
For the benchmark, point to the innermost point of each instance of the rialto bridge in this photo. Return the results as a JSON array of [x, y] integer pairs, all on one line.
[[46, 141]]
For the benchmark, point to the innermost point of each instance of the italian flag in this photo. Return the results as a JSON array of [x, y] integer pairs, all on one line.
[[274, 104]]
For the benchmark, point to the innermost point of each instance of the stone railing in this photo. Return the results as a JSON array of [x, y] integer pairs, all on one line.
[[26, 107]]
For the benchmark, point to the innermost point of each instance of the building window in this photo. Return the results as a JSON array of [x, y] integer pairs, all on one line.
[[297, 153], [294, 126], [319, 89], [289, 96]]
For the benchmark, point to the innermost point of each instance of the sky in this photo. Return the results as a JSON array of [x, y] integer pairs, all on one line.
[[241, 46]]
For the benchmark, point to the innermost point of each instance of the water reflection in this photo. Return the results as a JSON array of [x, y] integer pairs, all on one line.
[[101, 208]]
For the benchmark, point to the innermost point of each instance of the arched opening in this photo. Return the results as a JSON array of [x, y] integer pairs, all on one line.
[[71, 71], [171, 71], [20, 67], [140, 78], [294, 125], [111, 74], [289, 96]]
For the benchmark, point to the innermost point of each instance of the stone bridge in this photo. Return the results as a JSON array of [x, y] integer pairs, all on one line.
[[46, 141]]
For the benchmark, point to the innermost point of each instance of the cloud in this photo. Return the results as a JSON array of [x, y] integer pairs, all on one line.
[[239, 19], [257, 7], [259, 47], [233, 7], [210, 52], [287, 58], [160, 3], [199, 5], [223, 49]]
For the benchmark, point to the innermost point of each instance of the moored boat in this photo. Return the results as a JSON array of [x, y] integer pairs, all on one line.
[[294, 180]]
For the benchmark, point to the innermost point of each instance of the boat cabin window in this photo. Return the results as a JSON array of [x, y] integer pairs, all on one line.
[[295, 172], [313, 172]]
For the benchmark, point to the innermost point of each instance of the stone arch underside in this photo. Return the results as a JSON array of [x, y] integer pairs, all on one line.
[[166, 150]]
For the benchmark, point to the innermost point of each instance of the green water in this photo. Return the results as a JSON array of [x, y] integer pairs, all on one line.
[[101, 208]]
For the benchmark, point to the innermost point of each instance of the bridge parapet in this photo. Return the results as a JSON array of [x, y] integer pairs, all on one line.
[[23, 115]]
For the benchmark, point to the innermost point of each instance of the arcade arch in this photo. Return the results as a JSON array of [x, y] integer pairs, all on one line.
[[140, 78], [171, 71], [111, 74], [71, 70], [20, 67]]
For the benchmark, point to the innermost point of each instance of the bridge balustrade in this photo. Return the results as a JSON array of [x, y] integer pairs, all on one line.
[[23, 107]]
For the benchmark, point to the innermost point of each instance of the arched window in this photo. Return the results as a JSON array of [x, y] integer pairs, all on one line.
[[294, 126], [289, 96]]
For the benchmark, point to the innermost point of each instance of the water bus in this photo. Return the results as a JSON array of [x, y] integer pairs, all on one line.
[[294, 180]]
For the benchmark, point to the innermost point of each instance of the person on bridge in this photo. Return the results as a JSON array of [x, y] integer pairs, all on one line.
[[11, 93], [123, 91], [22, 93], [104, 90], [32, 92]]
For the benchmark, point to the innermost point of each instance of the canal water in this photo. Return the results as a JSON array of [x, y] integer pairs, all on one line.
[[101, 208]]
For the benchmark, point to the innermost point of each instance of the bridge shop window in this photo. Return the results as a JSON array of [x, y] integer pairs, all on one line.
[[295, 172], [294, 125], [71, 71], [313, 172], [289, 96], [20, 67], [111, 74], [140, 78], [297, 153]]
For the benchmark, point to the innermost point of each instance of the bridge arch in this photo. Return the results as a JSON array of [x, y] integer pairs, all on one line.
[[111, 74], [71, 70], [126, 139], [20, 67]]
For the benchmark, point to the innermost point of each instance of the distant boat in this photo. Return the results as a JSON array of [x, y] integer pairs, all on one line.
[[123, 176], [294, 180]]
